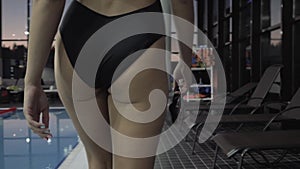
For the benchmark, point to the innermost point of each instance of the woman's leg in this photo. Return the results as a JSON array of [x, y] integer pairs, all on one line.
[[97, 157], [139, 90]]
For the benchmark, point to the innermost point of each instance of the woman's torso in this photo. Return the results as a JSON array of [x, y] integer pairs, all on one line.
[[115, 7]]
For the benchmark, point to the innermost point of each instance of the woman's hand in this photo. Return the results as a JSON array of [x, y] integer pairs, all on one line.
[[35, 105], [183, 76]]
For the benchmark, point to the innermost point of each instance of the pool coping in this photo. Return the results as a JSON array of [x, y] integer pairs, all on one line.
[[21, 108], [76, 159]]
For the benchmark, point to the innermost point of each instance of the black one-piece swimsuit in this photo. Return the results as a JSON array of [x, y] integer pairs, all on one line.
[[80, 23]]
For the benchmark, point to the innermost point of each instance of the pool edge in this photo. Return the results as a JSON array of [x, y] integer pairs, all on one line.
[[76, 159]]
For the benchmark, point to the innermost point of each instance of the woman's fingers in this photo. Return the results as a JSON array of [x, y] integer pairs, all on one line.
[[36, 116], [35, 105], [45, 117], [38, 128], [44, 135]]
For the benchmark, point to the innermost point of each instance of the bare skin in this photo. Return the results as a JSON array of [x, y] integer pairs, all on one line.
[[64, 71], [36, 104]]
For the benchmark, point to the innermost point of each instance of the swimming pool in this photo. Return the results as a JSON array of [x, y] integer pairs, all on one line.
[[22, 149]]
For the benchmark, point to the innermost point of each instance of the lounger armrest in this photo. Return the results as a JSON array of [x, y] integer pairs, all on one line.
[[263, 106], [266, 104], [277, 115], [238, 105], [243, 102]]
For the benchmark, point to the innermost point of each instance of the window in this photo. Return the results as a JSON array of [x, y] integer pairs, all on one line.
[[215, 31], [245, 61], [275, 12], [245, 17], [14, 38], [227, 53], [271, 13], [271, 41], [244, 2], [215, 11], [228, 30], [271, 48], [205, 19], [296, 8], [228, 7], [174, 42], [297, 53], [14, 22], [228, 65]]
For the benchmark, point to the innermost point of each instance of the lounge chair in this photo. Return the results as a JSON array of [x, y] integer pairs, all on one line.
[[265, 117], [236, 143], [230, 98], [238, 93], [241, 93], [254, 101], [250, 105]]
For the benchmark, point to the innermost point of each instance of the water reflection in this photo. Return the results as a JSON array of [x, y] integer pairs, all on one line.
[[21, 148]]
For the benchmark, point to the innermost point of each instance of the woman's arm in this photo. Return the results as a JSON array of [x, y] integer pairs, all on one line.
[[46, 15]]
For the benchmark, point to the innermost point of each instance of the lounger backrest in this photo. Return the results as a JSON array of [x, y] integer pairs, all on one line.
[[240, 92], [295, 102], [264, 85]]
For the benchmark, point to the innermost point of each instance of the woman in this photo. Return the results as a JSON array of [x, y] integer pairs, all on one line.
[[46, 16]]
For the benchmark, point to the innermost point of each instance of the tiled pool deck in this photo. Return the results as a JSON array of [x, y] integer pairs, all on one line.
[[180, 157]]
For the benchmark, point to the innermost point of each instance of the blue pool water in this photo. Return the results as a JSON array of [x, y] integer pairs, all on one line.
[[22, 149]]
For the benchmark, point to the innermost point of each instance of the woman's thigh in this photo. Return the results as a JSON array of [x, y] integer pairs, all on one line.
[[138, 92], [63, 74]]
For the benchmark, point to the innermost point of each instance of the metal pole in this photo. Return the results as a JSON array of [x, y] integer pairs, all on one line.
[[1, 66]]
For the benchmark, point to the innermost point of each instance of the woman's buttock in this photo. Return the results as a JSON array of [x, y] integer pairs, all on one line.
[[63, 67], [64, 73]]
